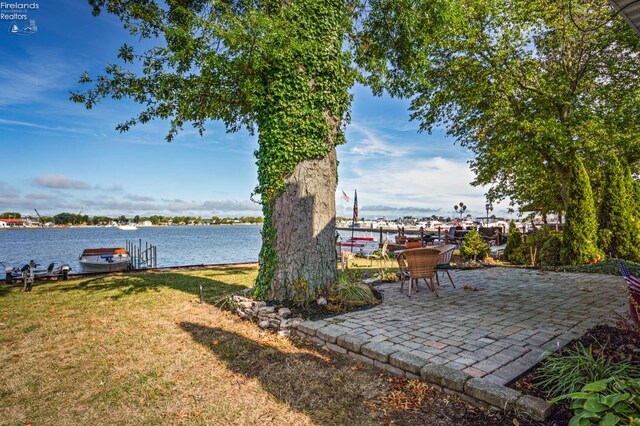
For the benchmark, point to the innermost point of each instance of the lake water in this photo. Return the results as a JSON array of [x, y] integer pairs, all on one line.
[[176, 245]]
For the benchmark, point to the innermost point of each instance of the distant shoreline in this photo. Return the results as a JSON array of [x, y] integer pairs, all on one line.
[[23, 228]]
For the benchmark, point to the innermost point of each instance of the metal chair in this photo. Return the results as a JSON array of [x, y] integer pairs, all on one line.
[[421, 263], [443, 265]]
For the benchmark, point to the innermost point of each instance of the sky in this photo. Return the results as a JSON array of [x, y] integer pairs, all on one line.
[[59, 157]]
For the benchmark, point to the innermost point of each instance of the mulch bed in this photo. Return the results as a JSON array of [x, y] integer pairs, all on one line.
[[620, 342], [313, 311]]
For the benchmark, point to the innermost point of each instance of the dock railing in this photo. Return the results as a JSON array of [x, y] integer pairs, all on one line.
[[142, 257]]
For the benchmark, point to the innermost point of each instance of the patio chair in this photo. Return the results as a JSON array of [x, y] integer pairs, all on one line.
[[450, 236], [421, 263], [382, 255], [444, 262], [403, 273], [490, 235]]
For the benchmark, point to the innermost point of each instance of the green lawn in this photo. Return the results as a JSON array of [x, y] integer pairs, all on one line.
[[141, 349]]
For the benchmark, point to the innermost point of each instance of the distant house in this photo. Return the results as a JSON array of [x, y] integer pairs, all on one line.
[[12, 223]]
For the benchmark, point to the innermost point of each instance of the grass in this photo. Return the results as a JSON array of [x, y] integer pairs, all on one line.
[[141, 349], [569, 372]]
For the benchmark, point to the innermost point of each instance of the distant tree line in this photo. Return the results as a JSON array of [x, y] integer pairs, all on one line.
[[76, 219]]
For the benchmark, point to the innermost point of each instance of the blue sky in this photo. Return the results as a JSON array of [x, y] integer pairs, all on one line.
[[57, 156]]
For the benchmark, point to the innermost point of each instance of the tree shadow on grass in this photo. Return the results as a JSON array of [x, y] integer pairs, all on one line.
[[119, 286], [328, 390]]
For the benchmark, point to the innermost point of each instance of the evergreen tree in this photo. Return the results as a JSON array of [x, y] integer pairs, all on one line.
[[513, 250], [579, 239], [473, 246], [618, 232]]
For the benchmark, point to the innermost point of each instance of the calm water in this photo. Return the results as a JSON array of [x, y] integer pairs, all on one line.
[[177, 245]]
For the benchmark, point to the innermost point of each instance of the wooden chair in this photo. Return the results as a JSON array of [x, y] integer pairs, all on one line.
[[446, 252], [382, 256], [421, 263]]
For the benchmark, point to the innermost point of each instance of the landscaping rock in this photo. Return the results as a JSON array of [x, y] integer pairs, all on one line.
[[264, 324], [491, 393], [266, 310], [284, 312], [322, 301]]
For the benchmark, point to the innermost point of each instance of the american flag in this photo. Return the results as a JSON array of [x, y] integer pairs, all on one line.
[[355, 207], [345, 197], [632, 281]]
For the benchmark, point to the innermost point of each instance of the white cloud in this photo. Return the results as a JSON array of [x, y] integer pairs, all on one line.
[[370, 142], [409, 186], [59, 181]]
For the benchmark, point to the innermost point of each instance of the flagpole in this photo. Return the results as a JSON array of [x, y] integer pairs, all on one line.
[[355, 217]]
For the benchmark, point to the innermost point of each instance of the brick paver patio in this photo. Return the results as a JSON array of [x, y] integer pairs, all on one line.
[[498, 332]]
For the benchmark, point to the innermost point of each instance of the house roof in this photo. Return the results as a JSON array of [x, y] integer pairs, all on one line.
[[630, 11], [12, 220]]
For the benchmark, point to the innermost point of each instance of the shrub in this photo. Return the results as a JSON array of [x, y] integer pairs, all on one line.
[[609, 401], [579, 239], [473, 246], [535, 241], [568, 373], [550, 251], [352, 293], [514, 251]]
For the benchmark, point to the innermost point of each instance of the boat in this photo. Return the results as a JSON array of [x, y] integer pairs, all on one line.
[[104, 260], [31, 270], [127, 227], [360, 245]]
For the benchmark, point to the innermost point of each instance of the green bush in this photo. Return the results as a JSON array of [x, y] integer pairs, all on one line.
[[514, 252], [568, 373], [605, 266], [534, 242], [606, 402], [579, 236], [550, 251], [473, 246]]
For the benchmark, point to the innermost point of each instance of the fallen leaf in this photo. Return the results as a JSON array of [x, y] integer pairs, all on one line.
[[515, 422]]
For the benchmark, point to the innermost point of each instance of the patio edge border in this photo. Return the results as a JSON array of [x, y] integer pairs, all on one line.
[[477, 391]]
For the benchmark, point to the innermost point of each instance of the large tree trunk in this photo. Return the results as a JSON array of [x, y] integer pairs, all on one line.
[[304, 219]]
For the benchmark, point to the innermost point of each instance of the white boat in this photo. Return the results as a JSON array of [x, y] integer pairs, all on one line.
[[104, 260], [127, 227]]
